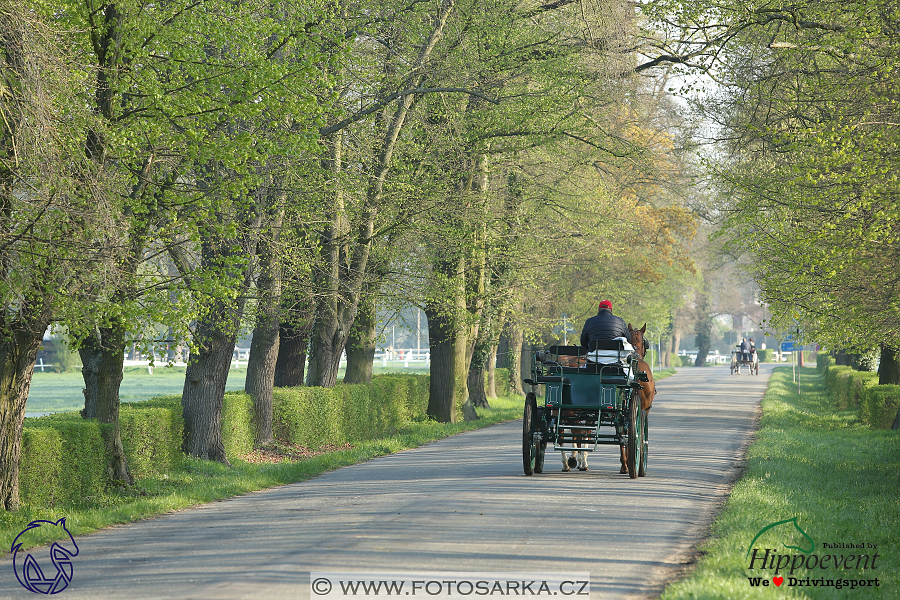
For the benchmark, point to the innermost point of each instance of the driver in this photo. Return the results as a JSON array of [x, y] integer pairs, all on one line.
[[603, 326]]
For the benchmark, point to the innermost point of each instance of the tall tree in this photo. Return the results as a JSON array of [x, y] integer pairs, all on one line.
[[50, 209]]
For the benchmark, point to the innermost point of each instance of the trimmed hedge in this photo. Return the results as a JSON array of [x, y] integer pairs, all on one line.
[[313, 417], [151, 435], [878, 406], [238, 432], [64, 458]]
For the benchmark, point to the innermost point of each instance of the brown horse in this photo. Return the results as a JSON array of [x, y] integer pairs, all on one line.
[[648, 388]]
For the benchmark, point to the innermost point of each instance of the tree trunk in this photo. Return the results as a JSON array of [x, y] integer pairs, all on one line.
[[291, 363], [492, 372], [514, 358], [361, 343], [215, 335], [447, 392], [112, 345], [703, 330], [204, 387], [889, 368], [475, 380], [328, 340], [18, 351], [103, 356], [260, 381], [673, 352], [889, 374], [345, 266], [91, 358]]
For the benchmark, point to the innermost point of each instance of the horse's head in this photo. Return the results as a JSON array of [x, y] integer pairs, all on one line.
[[61, 532], [636, 336], [38, 577]]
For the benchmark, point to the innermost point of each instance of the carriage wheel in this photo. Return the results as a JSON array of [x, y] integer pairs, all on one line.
[[635, 437], [529, 425], [642, 469], [540, 450]]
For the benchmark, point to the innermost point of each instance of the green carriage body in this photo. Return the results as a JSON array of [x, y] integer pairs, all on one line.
[[585, 394]]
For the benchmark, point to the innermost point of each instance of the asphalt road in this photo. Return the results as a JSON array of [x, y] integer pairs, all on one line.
[[459, 505]]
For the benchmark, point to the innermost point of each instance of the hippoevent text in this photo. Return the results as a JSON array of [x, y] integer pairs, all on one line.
[[772, 560]]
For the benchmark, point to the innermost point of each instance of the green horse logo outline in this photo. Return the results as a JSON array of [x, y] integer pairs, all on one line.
[[812, 544]]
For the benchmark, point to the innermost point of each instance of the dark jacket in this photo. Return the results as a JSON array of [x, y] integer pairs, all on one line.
[[603, 326]]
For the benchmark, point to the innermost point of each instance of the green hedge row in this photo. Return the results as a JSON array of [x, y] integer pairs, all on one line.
[[315, 416], [64, 457], [63, 460], [877, 404]]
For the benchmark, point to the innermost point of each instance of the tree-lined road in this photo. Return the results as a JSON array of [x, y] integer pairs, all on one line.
[[460, 504]]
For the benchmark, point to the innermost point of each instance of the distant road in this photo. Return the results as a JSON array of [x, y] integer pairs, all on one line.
[[462, 504]]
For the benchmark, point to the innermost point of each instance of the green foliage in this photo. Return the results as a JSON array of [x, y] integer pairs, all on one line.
[[763, 355], [878, 405], [809, 168], [865, 361], [684, 361], [63, 358], [501, 381], [823, 361]]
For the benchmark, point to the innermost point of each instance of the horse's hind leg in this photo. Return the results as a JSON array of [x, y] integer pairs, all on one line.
[[565, 461], [582, 460], [622, 458]]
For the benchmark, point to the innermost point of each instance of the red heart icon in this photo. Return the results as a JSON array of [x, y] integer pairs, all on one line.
[[778, 580]]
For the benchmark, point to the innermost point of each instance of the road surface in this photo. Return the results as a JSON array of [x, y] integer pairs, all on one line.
[[459, 505]]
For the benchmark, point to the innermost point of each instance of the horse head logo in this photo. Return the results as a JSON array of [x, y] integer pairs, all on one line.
[[789, 533], [30, 573]]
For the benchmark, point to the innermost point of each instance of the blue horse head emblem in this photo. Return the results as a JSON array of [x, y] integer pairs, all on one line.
[[49, 579]]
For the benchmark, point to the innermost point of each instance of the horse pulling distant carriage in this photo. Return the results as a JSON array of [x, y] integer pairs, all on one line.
[[586, 391], [740, 359]]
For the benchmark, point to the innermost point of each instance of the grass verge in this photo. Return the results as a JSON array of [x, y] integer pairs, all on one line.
[[837, 477], [197, 482]]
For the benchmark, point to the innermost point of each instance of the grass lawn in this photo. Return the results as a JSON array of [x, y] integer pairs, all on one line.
[[61, 392], [839, 479]]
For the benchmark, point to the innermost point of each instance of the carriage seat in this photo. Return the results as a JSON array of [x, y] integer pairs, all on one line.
[[608, 352]]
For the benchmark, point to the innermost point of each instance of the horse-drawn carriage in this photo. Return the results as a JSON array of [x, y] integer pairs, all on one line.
[[741, 359], [586, 392]]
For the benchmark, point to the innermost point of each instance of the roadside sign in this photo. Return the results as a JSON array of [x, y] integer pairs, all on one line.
[[791, 346]]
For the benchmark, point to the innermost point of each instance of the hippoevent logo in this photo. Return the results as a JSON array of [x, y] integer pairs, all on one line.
[[783, 554], [53, 573]]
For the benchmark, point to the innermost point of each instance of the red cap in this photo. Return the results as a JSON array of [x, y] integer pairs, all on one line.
[[606, 304]]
